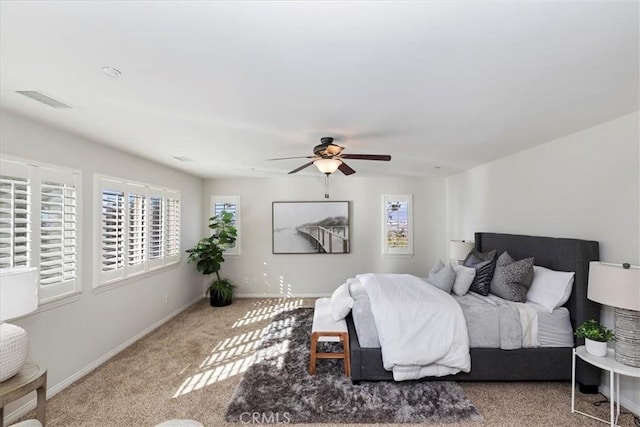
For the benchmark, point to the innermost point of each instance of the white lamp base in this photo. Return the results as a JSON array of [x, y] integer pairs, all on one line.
[[14, 349]]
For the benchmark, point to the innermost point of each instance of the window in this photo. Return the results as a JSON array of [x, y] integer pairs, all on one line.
[[39, 224], [139, 229], [228, 204], [15, 210], [397, 235]]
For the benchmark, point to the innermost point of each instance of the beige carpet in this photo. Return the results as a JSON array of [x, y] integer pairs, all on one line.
[[189, 368]]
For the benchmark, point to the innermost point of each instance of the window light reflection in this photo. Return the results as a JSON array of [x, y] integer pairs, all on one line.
[[234, 355]]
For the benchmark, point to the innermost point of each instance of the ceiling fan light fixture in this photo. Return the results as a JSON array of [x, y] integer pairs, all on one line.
[[327, 166]]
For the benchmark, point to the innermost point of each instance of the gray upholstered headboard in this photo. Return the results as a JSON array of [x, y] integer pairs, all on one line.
[[557, 254]]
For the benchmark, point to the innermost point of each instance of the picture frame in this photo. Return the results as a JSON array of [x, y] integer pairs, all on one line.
[[315, 227]]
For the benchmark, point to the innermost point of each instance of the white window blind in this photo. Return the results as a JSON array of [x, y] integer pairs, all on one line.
[[112, 232], [58, 239], [137, 236], [172, 228], [140, 229], [15, 201], [39, 224], [156, 227]]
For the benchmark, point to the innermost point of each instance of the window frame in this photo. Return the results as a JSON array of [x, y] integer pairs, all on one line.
[[386, 248], [126, 269], [229, 199], [39, 175]]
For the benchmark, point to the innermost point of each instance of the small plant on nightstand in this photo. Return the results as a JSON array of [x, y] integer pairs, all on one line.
[[596, 337]]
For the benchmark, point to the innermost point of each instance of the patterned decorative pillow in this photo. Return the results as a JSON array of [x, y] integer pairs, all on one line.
[[442, 276], [512, 279], [484, 263]]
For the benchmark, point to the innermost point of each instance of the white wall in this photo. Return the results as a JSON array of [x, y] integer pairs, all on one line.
[[74, 338], [585, 185], [267, 274]]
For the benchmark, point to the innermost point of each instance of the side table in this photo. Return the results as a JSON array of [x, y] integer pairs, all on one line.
[[607, 363], [32, 376]]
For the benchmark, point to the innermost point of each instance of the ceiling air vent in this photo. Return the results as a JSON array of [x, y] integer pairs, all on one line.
[[45, 99]]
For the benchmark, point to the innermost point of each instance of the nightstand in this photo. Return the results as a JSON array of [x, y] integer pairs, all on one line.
[[31, 377], [608, 363]]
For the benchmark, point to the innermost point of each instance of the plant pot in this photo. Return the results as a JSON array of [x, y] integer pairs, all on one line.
[[216, 301], [596, 348]]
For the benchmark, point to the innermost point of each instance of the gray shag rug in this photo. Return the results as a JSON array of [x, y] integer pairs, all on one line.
[[277, 388]]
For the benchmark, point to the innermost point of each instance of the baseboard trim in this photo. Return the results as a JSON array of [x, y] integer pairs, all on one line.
[[52, 391], [624, 401]]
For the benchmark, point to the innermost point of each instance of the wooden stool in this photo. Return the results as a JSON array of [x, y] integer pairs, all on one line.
[[325, 329]]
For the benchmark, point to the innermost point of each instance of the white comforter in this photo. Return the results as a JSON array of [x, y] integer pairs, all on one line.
[[422, 329]]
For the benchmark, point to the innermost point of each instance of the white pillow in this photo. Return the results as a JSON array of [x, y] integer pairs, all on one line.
[[550, 288], [464, 278], [341, 302]]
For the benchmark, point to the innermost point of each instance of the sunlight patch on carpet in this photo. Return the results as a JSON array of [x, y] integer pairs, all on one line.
[[267, 310], [234, 355]]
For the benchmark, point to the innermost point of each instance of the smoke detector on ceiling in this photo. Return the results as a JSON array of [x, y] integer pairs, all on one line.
[[111, 72]]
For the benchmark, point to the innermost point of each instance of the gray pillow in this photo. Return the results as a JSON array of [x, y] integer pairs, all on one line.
[[512, 279], [442, 276]]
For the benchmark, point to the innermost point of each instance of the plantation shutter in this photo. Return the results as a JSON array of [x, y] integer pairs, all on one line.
[[15, 217], [58, 232], [139, 229], [172, 229], [136, 251], [112, 243], [156, 230]]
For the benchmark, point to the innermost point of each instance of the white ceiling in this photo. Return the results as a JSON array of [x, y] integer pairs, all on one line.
[[231, 84]]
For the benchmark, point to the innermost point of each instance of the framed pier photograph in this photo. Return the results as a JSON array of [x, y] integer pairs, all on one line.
[[311, 227]]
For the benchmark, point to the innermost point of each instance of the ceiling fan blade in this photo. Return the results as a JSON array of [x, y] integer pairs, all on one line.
[[346, 169], [298, 157], [382, 157], [301, 167]]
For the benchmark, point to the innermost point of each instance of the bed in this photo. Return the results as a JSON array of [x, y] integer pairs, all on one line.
[[526, 364]]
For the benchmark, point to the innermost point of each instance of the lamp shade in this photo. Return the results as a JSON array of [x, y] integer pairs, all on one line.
[[18, 292], [459, 249], [327, 166], [613, 285]]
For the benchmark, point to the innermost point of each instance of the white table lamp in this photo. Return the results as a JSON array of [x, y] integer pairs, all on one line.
[[459, 249], [619, 286], [18, 296]]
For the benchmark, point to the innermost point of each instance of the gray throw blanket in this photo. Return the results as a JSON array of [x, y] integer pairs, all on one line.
[[491, 321]]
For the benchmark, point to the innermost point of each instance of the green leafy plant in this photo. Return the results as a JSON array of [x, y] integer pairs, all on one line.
[[208, 253], [594, 331]]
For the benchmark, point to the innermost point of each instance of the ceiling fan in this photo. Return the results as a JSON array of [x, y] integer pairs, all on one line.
[[328, 158]]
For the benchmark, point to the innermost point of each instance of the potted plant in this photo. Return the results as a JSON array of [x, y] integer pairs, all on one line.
[[596, 337], [208, 254]]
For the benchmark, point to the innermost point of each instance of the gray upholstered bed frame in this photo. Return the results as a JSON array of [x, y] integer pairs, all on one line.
[[531, 364]]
